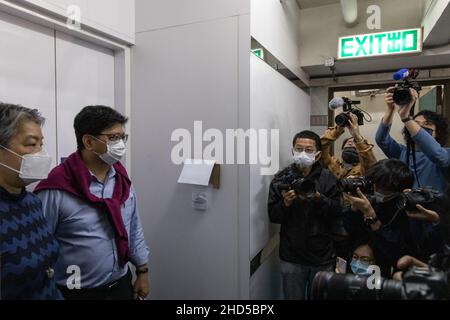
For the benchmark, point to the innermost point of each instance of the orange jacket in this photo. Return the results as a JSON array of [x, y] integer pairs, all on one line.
[[335, 165]]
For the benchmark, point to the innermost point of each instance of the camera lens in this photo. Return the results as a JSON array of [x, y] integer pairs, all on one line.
[[332, 286], [305, 187], [402, 96], [342, 120]]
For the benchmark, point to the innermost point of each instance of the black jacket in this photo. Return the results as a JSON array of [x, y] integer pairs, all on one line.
[[305, 236]]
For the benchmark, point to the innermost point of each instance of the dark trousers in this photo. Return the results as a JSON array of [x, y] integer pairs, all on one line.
[[297, 279], [121, 289]]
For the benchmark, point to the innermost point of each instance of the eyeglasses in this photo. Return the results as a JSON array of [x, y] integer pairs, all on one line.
[[307, 150], [115, 137], [363, 259]]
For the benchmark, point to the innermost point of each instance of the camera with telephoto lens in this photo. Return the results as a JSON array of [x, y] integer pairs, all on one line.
[[402, 94], [302, 187], [343, 119], [424, 197], [351, 185], [430, 283]]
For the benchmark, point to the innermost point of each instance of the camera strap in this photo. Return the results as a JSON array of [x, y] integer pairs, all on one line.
[[394, 217], [411, 147]]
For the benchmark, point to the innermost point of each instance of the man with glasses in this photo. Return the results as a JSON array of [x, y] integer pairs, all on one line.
[[90, 204], [306, 244], [429, 133]]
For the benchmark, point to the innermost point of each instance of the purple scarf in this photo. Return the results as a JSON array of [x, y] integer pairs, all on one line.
[[74, 177]]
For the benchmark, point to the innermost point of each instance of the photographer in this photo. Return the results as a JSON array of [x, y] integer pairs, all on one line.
[[306, 246], [428, 131], [357, 153], [394, 231], [362, 258], [357, 158]]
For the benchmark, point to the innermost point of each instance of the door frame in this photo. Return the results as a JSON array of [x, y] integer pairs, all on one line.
[[122, 55]]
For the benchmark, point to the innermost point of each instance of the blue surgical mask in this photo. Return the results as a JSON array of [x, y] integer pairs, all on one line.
[[360, 268]]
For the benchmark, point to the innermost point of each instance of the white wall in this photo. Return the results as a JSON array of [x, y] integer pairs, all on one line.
[[113, 17], [191, 63], [276, 26], [321, 27], [157, 14], [276, 103], [319, 106]]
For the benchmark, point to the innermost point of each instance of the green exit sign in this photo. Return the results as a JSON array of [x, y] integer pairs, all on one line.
[[380, 44], [259, 53]]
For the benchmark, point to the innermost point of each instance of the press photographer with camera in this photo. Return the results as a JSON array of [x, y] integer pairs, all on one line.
[[306, 246], [356, 158], [425, 135], [388, 216], [417, 280], [361, 258], [357, 153]]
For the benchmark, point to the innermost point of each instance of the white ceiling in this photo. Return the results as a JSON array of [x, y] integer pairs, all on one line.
[[305, 4]]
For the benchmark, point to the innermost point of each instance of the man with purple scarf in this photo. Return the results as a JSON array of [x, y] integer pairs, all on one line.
[[91, 208]]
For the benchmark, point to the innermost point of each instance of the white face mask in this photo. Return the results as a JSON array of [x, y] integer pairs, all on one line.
[[34, 167], [116, 151], [304, 160]]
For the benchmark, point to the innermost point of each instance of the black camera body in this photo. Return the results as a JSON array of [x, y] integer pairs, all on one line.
[[402, 95], [302, 186], [351, 185], [429, 283], [343, 119], [424, 197], [425, 284]]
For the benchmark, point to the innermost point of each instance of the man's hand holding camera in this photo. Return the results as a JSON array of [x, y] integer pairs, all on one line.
[[405, 111], [289, 197], [353, 128], [362, 204], [424, 214]]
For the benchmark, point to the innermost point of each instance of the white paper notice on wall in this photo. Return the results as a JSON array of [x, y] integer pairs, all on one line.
[[197, 172]]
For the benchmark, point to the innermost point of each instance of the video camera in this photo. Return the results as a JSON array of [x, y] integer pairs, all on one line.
[[424, 197], [343, 119], [402, 95], [430, 283]]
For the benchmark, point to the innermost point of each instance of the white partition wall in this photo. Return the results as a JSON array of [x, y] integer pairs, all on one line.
[[85, 76], [194, 65], [27, 70], [276, 103]]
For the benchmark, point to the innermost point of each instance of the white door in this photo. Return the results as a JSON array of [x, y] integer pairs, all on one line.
[[27, 70], [85, 76]]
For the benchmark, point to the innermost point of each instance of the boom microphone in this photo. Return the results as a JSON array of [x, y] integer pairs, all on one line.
[[336, 103], [403, 74]]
